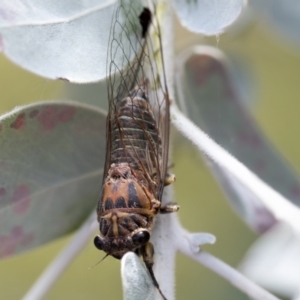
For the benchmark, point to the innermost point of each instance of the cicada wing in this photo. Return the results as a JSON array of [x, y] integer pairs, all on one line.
[[159, 98], [124, 60], [135, 66], [126, 49]]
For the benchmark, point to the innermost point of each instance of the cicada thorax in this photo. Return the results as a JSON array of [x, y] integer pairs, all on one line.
[[129, 202]]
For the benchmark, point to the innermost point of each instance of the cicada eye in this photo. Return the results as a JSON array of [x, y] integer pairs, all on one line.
[[141, 237], [98, 242]]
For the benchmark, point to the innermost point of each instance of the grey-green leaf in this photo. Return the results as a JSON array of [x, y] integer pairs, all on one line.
[[137, 283], [209, 97], [51, 159], [70, 40], [209, 17], [283, 17], [61, 39]]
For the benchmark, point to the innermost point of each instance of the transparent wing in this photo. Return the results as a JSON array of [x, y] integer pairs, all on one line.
[[134, 61]]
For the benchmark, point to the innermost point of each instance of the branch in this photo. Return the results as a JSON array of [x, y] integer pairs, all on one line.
[[281, 207], [232, 275]]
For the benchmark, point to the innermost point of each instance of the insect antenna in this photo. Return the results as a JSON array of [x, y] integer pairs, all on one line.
[[96, 264]]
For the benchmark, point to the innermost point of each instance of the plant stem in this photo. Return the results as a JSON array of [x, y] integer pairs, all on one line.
[[232, 275], [282, 208]]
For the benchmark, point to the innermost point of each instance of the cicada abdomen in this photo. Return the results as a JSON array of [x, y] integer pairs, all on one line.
[[137, 137]]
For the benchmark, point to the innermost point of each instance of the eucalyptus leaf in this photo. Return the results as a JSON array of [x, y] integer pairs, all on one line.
[[51, 158], [208, 17], [273, 261], [283, 17], [58, 40], [137, 283], [213, 103], [66, 39]]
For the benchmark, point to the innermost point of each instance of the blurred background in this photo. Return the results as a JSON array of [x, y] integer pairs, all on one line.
[[273, 66]]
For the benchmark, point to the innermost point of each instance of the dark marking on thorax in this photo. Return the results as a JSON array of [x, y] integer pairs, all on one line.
[[133, 199]]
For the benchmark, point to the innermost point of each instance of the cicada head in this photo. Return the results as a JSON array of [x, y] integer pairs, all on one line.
[[126, 213], [121, 245]]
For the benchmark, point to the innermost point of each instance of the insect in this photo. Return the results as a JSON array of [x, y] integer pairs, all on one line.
[[138, 124]]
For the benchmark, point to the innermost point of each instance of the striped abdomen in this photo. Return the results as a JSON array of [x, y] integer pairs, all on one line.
[[134, 133]]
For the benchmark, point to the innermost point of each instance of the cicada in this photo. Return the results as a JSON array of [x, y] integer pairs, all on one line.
[[138, 125]]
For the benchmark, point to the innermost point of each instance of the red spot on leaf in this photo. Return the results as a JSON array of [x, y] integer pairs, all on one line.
[[33, 113], [17, 237], [48, 117], [203, 67], [264, 219], [27, 239], [51, 116], [21, 199], [2, 192], [17, 232], [19, 122], [7, 247], [66, 114]]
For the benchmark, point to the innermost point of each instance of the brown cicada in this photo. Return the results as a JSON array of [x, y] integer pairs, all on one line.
[[138, 125]]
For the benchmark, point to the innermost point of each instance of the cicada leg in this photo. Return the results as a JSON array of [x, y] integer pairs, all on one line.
[[170, 178], [155, 205], [169, 208], [147, 251]]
